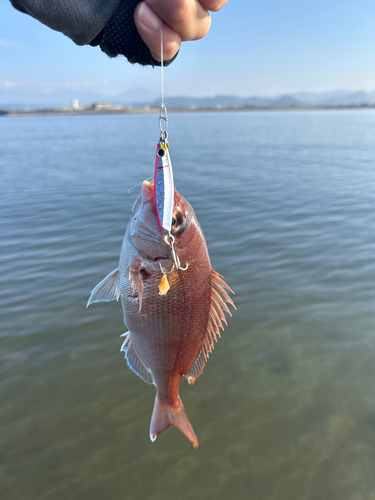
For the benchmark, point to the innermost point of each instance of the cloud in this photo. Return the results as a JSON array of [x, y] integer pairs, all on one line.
[[7, 85], [11, 44]]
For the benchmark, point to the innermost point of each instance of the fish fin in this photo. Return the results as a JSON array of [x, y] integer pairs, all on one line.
[[107, 290], [219, 285], [165, 414], [218, 307], [137, 283], [197, 368], [134, 361]]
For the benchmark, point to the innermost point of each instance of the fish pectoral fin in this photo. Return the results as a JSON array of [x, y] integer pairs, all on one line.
[[218, 306], [135, 275], [107, 290], [134, 360]]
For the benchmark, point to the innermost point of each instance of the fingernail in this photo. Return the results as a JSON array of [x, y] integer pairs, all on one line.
[[148, 18]]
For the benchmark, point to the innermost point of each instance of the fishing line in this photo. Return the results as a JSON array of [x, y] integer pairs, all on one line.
[[162, 64], [136, 200], [162, 107], [139, 194], [139, 184], [163, 116]]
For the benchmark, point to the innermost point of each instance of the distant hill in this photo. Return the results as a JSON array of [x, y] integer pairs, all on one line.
[[286, 100], [339, 98], [12, 99]]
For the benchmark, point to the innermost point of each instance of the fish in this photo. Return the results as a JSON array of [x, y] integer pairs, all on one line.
[[173, 326]]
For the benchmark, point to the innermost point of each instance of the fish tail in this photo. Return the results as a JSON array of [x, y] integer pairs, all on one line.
[[165, 415]]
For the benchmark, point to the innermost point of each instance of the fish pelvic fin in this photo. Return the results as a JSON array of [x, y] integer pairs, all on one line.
[[215, 322], [165, 414], [107, 290]]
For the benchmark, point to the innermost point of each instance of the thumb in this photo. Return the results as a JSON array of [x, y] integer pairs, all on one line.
[[149, 25]]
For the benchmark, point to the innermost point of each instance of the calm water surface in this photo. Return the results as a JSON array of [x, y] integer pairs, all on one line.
[[286, 406]]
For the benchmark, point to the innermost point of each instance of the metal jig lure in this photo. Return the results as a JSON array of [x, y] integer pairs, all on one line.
[[163, 177]]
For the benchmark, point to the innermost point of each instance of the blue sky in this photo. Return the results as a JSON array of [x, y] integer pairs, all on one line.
[[253, 48]]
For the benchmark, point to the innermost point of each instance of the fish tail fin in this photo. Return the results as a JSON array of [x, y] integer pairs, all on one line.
[[165, 414]]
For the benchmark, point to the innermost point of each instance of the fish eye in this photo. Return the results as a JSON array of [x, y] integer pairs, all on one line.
[[178, 221]]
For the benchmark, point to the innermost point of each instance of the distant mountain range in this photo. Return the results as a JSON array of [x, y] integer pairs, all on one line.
[[338, 98], [14, 100]]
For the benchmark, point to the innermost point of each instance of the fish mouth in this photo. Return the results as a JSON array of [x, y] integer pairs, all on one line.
[[144, 232], [148, 190]]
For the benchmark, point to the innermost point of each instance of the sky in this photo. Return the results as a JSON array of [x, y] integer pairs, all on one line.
[[262, 48]]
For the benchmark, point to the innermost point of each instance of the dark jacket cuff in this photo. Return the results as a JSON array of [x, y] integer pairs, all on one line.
[[120, 36]]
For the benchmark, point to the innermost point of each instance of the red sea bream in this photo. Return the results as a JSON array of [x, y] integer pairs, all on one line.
[[171, 330]]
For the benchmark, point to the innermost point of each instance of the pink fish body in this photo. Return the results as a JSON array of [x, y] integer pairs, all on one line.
[[170, 335]]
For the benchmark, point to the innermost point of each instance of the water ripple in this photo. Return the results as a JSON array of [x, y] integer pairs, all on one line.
[[286, 407]]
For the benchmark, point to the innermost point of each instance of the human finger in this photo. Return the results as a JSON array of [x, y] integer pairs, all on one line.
[[148, 24], [187, 17], [213, 5]]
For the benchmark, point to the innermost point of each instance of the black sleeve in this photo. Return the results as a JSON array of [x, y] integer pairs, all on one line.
[[108, 23], [17, 6], [120, 36]]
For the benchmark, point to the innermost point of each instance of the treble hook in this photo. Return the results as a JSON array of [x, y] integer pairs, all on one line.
[[164, 271], [176, 260]]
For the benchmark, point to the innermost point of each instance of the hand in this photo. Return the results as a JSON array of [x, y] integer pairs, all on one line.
[[182, 20]]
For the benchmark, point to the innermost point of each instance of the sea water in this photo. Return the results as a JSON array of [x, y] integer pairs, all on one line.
[[285, 408]]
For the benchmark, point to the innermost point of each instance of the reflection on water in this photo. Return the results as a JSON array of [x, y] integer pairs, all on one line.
[[286, 406]]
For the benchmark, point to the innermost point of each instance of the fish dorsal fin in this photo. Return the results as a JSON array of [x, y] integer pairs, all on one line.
[[134, 361], [218, 307], [107, 290]]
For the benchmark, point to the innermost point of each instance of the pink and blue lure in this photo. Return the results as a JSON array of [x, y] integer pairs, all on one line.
[[163, 187]]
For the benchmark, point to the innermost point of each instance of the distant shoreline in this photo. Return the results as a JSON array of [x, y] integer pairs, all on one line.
[[153, 110]]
